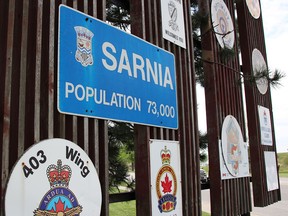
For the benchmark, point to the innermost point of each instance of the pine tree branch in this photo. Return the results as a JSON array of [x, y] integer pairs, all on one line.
[[272, 77]]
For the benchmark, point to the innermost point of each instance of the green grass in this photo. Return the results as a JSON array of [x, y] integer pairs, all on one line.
[[128, 209], [206, 168], [123, 208], [283, 163]]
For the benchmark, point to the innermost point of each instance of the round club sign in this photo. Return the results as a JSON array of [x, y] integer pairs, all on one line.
[[259, 66], [254, 8], [234, 162], [222, 24], [54, 177]]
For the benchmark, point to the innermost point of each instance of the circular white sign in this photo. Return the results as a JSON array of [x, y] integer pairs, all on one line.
[[53, 177], [254, 8], [222, 24], [259, 64], [232, 145]]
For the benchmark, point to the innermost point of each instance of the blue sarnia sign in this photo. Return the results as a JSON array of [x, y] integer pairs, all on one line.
[[104, 72]]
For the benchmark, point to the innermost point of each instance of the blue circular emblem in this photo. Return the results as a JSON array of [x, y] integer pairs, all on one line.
[[60, 199]]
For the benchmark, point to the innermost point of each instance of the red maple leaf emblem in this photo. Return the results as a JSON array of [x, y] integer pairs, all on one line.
[[166, 185], [60, 207]]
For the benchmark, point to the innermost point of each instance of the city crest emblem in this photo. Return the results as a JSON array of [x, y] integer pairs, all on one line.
[[59, 200], [84, 46], [166, 183]]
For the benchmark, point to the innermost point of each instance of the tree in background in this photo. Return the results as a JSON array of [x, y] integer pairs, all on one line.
[[203, 145], [121, 154], [118, 13]]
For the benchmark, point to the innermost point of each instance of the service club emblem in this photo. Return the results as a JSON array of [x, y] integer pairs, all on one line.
[[166, 183], [59, 200]]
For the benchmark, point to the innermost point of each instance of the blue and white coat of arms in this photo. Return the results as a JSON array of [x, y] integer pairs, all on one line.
[[84, 46]]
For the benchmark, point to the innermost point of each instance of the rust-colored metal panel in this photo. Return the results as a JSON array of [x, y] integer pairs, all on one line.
[[146, 23], [28, 91], [223, 97], [252, 36]]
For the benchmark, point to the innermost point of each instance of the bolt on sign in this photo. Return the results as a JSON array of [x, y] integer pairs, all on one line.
[[53, 177], [173, 28], [106, 73], [166, 192]]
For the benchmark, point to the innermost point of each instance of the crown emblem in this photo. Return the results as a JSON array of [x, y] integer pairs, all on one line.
[[83, 33], [58, 175], [165, 155]]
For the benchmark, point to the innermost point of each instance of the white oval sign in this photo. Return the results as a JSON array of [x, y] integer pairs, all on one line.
[[53, 177], [259, 65], [222, 24], [233, 151], [254, 8]]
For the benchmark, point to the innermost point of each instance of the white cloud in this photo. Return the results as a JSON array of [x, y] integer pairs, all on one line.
[[274, 15]]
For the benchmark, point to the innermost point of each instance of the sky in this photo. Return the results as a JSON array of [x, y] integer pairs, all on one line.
[[275, 23]]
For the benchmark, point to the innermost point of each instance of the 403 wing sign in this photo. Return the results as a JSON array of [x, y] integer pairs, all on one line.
[[53, 178], [104, 72]]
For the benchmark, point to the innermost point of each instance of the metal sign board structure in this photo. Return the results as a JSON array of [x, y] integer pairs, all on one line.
[[166, 192], [106, 73], [258, 100], [53, 177]]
